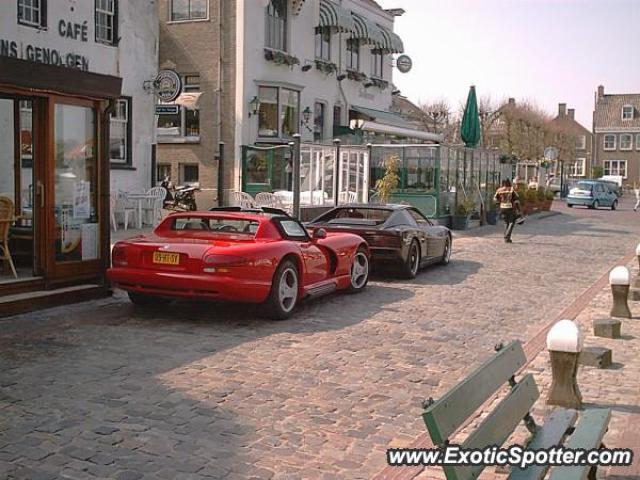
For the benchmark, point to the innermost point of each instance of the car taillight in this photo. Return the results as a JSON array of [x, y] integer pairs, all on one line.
[[119, 257], [214, 263]]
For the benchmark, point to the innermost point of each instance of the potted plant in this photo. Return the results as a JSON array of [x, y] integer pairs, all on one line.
[[531, 201], [493, 212], [460, 218]]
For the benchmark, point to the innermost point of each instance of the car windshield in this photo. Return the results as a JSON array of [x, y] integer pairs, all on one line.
[[215, 225], [585, 186], [376, 216]]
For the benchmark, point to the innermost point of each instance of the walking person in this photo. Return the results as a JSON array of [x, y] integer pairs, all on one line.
[[636, 190], [509, 203]]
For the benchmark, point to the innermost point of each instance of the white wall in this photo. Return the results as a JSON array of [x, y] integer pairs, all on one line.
[[314, 85], [137, 63]]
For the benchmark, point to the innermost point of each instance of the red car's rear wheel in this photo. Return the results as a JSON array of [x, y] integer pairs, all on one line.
[[284, 291]]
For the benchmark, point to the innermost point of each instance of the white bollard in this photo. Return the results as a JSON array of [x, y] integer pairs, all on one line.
[[620, 281], [564, 342]]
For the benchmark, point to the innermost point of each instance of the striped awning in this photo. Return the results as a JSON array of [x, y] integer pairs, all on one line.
[[392, 42], [333, 15], [367, 31]]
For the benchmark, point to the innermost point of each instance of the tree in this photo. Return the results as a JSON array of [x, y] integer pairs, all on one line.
[[438, 117], [390, 181]]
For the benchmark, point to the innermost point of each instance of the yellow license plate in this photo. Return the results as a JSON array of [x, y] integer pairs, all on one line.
[[166, 258]]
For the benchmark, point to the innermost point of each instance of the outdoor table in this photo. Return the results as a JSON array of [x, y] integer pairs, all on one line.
[[286, 197], [140, 199]]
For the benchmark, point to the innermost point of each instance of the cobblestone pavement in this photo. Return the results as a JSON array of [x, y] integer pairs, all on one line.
[[102, 390]]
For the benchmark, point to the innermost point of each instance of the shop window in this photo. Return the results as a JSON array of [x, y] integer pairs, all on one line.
[[353, 54], [609, 142], [107, 21], [615, 167], [323, 43], [32, 13], [120, 133], [163, 170], [377, 64], [279, 114], [182, 10], [318, 121], [276, 24], [189, 174], [626, 141], [184, 125]]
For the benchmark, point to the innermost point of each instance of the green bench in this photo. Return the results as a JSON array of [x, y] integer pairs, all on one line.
[[444, 416]]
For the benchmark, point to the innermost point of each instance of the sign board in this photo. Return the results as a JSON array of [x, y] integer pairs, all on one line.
[[404, 63], [168, 85], [551, 153], [167, 109]]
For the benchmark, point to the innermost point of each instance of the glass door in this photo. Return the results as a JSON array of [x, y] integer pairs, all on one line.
[[20, 170], [74, 229]]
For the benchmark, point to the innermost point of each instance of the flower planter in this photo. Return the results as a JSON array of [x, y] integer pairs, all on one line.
[[492, 217], [459, 222]]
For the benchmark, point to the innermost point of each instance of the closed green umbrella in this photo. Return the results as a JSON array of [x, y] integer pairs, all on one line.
[[470, 128]]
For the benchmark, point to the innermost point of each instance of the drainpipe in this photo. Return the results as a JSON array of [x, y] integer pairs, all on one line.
[[220, 186]]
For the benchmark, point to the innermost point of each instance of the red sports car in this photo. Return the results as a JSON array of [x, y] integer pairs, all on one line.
[[259, 256]]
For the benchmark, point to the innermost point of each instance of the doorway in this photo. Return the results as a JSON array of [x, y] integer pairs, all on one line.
[[20, 167]]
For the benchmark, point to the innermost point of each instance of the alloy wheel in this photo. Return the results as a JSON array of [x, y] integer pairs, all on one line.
[[288, 289], [359, 270]]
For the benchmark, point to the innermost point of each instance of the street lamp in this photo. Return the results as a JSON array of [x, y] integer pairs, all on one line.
[[254, 106]]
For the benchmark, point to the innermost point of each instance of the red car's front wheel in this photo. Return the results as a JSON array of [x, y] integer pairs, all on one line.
[[284, 291]]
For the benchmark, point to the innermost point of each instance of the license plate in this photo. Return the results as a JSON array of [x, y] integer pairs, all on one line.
[[166, 258]]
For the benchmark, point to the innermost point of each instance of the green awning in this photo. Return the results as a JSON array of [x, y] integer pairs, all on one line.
[[381, 116], [392, 42], [367, 31], [334, 16]]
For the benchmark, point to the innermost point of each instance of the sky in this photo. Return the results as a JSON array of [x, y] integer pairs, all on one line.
[[545, 51]]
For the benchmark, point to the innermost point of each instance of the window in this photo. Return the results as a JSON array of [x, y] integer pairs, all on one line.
[[279, 114], [353, 54], [419, 218], [318, 121], [163, 170], [377, 64], [637, 141], [626, 141], [627, 112], [276, 27], [293, 230], [578, 168], [337, 116], [615, 167], [120, 133], [189, 174], [323, 43], [182, 10], [186, 123], [32, 13], [106, 21], [581, 142], [609, 142]]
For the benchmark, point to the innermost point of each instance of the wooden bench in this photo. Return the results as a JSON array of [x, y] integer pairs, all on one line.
[[446, 415]]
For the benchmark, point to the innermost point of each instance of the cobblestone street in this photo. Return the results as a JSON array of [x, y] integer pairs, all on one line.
[[104, 390]]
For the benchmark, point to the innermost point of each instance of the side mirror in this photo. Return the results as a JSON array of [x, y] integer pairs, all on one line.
[[319, 234]]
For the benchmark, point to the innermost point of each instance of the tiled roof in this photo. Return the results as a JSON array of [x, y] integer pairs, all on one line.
[[566, 123], [608, 113]]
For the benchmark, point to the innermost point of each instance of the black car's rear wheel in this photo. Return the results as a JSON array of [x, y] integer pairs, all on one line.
[[284, 292], [359, 271], [446, 256], [412, 262]]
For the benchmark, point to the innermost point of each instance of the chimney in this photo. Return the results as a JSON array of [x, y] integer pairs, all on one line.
[[562, 109], [600, 91], [512, 102], [572, 113]]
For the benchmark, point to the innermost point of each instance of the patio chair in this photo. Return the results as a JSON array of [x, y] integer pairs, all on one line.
[[242, 199], [6, 220], [266, 199], [347, 197], [154, 207], [123, 207], [113, 204]]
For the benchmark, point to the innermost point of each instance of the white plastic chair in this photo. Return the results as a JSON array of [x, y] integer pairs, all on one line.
[[123, 207], [242, 199], [154, 208], [113, 204], [347, 197]]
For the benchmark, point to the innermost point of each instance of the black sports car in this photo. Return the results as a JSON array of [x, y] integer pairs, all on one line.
[[399, 236]]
